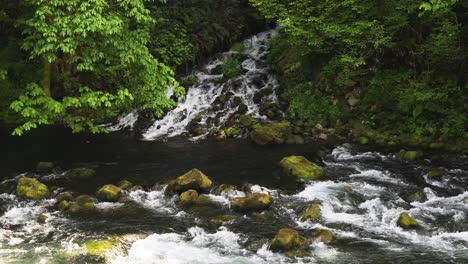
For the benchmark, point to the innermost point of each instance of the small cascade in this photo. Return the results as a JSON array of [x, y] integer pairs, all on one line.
[[213, 100]]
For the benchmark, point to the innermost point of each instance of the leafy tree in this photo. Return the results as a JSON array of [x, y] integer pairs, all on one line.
[[95, 63]]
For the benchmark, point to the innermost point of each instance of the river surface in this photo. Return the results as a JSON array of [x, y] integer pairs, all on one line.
[[154, 228]]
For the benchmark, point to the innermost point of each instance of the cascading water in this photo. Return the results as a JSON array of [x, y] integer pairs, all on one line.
[[214, 99]]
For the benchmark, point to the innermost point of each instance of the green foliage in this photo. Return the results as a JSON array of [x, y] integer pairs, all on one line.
[[238, 47], [405, 59], [231, 67]]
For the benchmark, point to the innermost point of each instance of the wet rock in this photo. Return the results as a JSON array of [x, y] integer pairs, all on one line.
[[189, 81], [63, 205], [288, 239], [144, 121], [45, 167], [136, 188], [32, 189], [409, 155], [259, 80], [436, 173], [83, 204], [80, 174], [313, 212], [324, 235], [348, 189], [194, 179], [222, 219], [65, 196], [252, 202], [109, 193], [418, 196], [247, 121], [42, 218], [407, 222], [218, 70], [275, 133], [242, 109], [124, 185], [301, 167], [224, 188], [188, 197]]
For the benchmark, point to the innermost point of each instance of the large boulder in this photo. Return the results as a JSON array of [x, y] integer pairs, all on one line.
[[194, 179], [109, 193], [275, 133], [252, 202], [31, 188], [301, 167], [83, 204], [406, 221], [288, 239]]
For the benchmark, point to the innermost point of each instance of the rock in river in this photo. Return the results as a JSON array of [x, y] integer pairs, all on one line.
[[194, 179], [301, 167], [252, 202], [31, 188], [288, 239]]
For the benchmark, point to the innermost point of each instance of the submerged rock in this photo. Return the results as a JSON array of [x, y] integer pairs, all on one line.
[[80, 174], [301, 167], [313, 212], [44, 167], [252, 202], [409, 155], [194, 179], [109, 193], [42, 218], [436, 172], [83, 204], [99, 248], [406, 221], [288, 239], [31, 188], [324, 235], [275, 133], [221, 219]]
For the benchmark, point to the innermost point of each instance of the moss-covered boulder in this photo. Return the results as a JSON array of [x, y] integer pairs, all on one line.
[[301, 167], [406, 221], [63, 205], [42, 218], [324, 235], [252, 202], [194, 179], [44, 167], [288, 239], [191, 197], [83, 204], [275, 133], [313, 212], [31, 188], [80, 174], [65, 196], [109, 193], [124, 185], [221, 219], [409, 155]]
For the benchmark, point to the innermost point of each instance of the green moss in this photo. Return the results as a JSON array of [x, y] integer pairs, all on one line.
[[409, 155], [436, 172], [226, 188], [231, 67], [363, 140], [83, 204], [231, 132], [313, 212], [221, 219], [203, 200], [238, 47], [44, 166], [124, 185], [188, 197], [31, 188], [247, 121], [80, 174], [65, 196], [41, 218], [324, 235], [99, 248], [63, 205], [194, 179], [406, 221], [295, 140], [252, 202], [288, 239], [301, 167], [109, 193], [275, 133]]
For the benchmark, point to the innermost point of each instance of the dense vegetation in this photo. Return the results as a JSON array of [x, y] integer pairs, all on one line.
[[80, 63], [396, 65]]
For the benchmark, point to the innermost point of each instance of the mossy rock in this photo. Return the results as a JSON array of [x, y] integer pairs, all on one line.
[[407, 222], [203, 200], [301, 167], [275, 133], [363, 140], [348, 189], [63, 205], [247, 121], [324, 235], [65, 196], [418, 196], [221, 219], [313, 212], [194, 179], [288, 239], [109, 193], [32, 189], [436, 172], [99, 248], [124, 185], [231, 132], [295, 140], [83, 204], [80, 174], [42, 218], [136, 188], [252, 202], [45, 167], [409, 155], [224, 188], [188, 197]]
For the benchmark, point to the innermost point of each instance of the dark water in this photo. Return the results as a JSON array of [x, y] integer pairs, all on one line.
[[363, 221]]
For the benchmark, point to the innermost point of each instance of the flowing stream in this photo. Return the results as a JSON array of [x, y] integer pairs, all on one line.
[[361, 195]]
